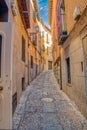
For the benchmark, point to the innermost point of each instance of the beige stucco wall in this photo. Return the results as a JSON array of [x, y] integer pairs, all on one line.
[[69, 8], [6, 30], [19, 68], [77, 89]]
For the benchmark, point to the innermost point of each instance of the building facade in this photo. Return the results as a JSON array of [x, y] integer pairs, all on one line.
[[22, 53], [72, 39], [34, 45], [13, 58], [53, 14]]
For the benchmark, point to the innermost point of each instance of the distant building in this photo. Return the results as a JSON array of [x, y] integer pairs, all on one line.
[[46, 47], [53, 15]]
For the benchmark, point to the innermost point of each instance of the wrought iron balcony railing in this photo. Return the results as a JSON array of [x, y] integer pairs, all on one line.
[[62, 37]]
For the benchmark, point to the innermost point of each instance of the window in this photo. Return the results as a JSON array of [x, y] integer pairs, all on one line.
[[43, 34], [31, 61], [47, 51], [34, 16], [23, 49], [0, 53], [34, 39], [84, 41], [3, 11], [68, 70], [47, 38]]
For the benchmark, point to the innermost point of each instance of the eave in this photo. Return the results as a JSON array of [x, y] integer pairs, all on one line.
[[25, 12], [50, 10]]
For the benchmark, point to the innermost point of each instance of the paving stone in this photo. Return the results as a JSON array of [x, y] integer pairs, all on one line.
[[49, 119], [33, 109], [58, 127], [34, 113], [31, 121], [49, 107]]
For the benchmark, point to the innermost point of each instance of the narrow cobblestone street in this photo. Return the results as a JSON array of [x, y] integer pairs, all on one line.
[[43, 106]]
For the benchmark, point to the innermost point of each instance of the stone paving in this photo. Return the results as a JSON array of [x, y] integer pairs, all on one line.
[[43, 106]]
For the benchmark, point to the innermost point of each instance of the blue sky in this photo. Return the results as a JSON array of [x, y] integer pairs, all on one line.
[[43, 10]]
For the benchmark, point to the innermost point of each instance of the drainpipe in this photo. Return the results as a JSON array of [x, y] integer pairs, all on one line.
[[28, 66], [60, 72]]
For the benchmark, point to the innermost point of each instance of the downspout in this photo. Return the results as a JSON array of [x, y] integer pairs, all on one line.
[[60, 72]]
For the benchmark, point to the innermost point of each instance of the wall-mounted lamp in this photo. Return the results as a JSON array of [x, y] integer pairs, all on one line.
[[14, 9], [36, 31]]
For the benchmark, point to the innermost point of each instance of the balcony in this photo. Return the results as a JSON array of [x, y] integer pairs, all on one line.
[[62, 31], [62, 37], [24, 7]]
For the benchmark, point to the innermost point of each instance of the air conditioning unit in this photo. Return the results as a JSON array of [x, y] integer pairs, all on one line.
[[14, 10], [77, 13]]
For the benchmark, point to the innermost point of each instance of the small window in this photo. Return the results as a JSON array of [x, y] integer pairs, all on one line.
[[43, 34], [47, 38], [0, 53], [68, 70], [47, 51], [31, 61], [23, 49], [34, 16]]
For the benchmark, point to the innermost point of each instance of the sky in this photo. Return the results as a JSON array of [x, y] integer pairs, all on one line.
[[43, 10]]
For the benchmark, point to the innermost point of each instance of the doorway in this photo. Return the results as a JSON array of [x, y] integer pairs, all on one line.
[[23, 84], [50, 65]]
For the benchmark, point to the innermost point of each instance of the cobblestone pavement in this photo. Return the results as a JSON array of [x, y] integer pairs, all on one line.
[[43, 106]]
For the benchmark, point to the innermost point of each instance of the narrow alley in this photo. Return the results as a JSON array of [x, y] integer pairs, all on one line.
[[43, 106], [43, 64]]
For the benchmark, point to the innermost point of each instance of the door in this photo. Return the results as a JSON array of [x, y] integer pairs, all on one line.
[[49, 65], [23, 84], [84, 43], [5, 76]]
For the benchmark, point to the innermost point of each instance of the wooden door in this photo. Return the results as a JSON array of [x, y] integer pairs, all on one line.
[[49, 65]]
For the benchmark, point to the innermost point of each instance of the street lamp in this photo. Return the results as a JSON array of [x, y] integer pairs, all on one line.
[[36, 31]]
